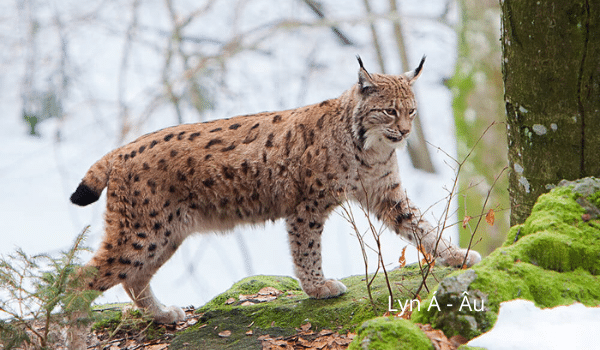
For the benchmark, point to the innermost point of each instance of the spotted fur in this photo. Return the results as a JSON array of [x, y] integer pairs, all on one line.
[[297, 165]]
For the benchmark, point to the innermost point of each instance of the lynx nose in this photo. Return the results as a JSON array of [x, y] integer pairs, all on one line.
[[404, 132]]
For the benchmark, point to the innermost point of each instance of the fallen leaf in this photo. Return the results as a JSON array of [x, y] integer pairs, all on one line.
[[269, 291], [156, 347], [458, 340], [437, 337], [325, 332], [305, 327], [230, 301], [249, 332], [266, 294], [490, 217], [225, 334]]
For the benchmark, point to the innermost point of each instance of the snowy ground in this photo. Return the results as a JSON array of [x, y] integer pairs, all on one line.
[[521, 325]]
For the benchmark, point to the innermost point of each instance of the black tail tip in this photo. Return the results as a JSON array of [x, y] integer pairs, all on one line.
[[84, 195]]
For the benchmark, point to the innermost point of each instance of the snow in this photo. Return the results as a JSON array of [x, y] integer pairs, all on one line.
[[522, 325]]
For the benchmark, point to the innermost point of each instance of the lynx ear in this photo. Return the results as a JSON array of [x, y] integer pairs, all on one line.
[[414, 74], [365, 81]]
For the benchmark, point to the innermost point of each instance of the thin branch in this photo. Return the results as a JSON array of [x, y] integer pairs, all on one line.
[[317, 8]]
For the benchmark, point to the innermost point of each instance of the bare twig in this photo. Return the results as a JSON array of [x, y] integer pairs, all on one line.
[[487, 197], [317, 8]]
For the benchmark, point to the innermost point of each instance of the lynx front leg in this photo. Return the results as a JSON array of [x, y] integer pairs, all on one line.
[[304, 235], [404, 218]]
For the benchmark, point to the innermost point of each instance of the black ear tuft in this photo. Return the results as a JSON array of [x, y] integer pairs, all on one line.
[[420, 67], [414, 74], [365, 81], [360, 62]]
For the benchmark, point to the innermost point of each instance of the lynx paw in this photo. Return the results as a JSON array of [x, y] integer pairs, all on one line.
[[329, 289], [168, 315], [458, 257]]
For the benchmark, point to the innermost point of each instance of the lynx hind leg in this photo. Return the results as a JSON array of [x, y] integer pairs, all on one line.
[[143, 297], [305, 245]]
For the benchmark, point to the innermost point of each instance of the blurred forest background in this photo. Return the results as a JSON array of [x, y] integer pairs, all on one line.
[[78, 78]]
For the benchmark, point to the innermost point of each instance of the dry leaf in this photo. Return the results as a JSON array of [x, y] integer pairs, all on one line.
[[466, 220], [269, 291], [156, 347], [325, 332], [264, 295], [305, 327], [249, 332], [402, 259], [224, 334], [427, 258], [490, 217], [230, 301]]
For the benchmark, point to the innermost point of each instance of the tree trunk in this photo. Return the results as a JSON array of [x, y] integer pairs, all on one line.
[[551, 70]]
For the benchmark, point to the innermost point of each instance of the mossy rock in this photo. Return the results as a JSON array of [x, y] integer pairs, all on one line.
[[552, 259], [388, 333], [293, 308]]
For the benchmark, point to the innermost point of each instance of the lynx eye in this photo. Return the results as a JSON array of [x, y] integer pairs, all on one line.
[[412, 111], [390, 112]]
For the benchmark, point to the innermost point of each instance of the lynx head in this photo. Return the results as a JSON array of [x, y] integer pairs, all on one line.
[[385, 107]]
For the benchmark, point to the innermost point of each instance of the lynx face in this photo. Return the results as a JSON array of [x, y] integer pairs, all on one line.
[[386, 109]]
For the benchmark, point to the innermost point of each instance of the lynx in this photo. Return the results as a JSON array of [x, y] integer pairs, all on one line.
[[297, 165]]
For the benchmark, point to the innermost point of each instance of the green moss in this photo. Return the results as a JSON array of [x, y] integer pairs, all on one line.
[[552, 259], [132, 322], [294, 308], [252, 285], [595, 199], [388, 333]]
